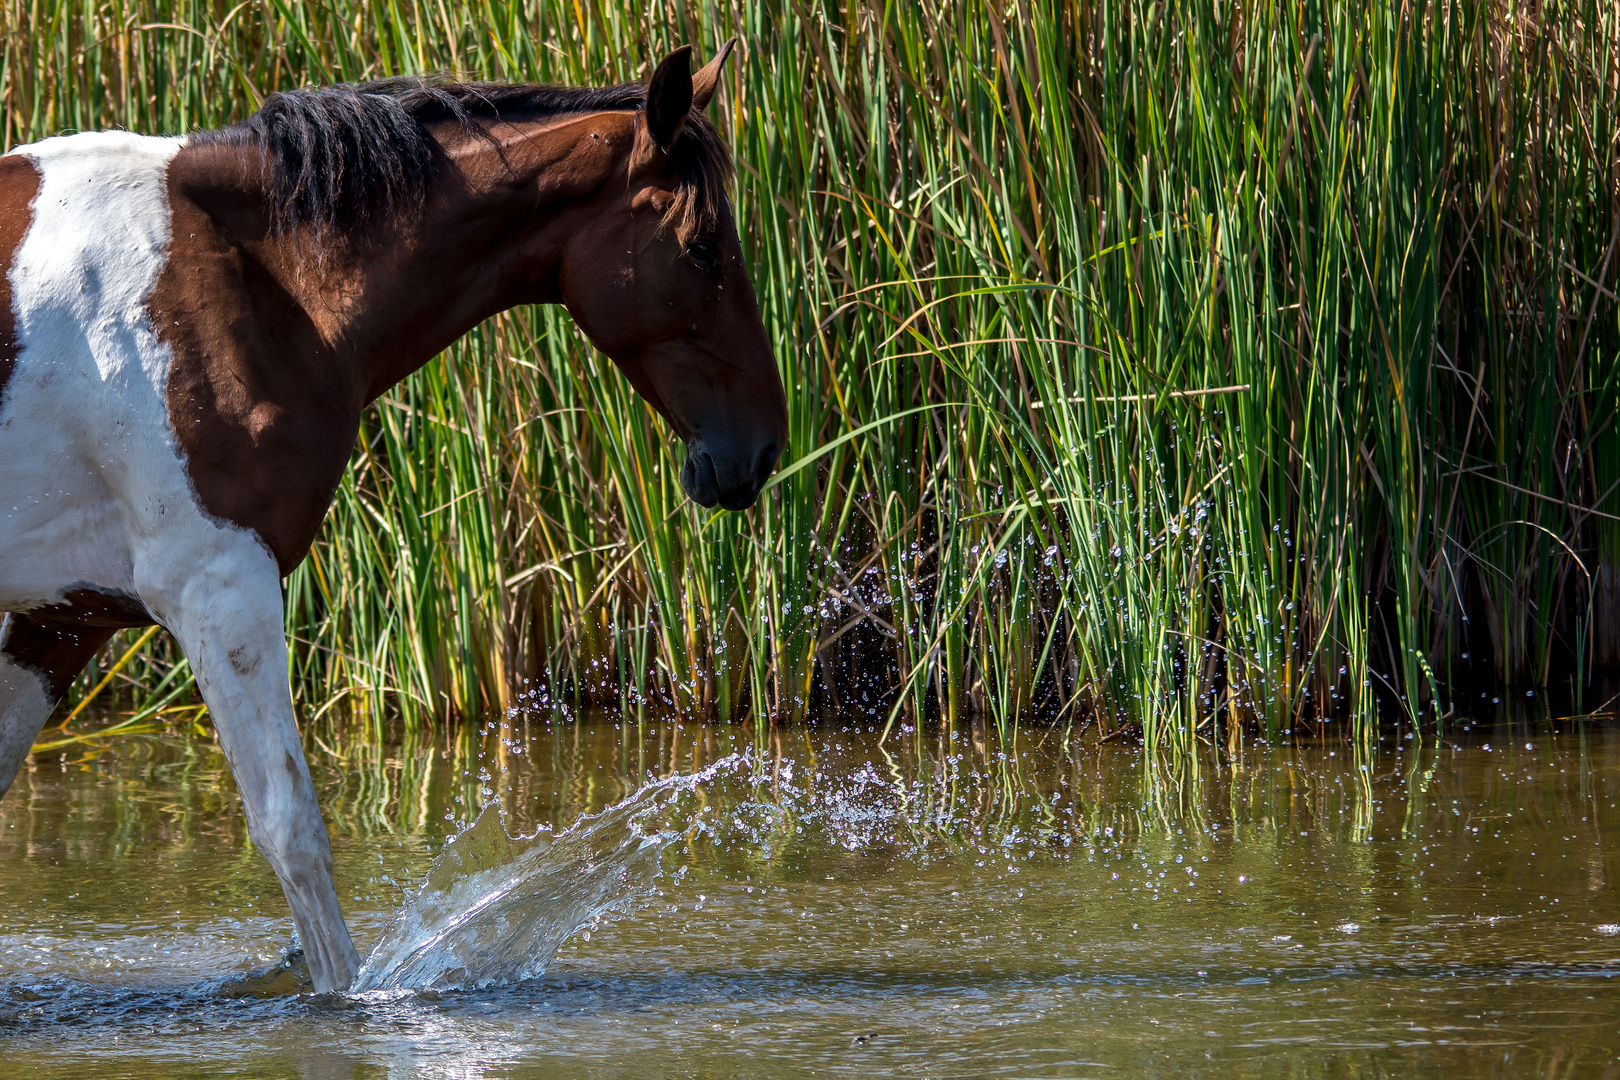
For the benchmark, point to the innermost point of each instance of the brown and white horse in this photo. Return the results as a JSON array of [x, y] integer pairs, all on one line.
[[191, 327]]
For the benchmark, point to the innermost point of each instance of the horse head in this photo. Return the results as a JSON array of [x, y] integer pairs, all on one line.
[[659, 285]]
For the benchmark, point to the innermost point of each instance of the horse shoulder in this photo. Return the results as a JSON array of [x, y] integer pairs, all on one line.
[[264, 412]]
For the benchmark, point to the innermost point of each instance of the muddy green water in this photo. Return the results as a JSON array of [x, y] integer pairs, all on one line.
[[934, 908]]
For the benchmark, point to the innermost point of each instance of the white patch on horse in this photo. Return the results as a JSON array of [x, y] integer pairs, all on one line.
[[87, 460]]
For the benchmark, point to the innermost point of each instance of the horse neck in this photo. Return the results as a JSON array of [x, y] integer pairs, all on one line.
[[490, 235]]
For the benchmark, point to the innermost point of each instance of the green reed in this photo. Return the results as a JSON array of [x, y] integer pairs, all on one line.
[[1214, 365]]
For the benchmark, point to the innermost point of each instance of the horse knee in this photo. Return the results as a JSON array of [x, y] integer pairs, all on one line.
[[308, 872], [301, 857]]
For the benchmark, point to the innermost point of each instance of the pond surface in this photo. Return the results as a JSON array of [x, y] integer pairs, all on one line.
[[941, 906]]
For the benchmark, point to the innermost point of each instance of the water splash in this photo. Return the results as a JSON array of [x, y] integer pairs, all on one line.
[[495, 909]]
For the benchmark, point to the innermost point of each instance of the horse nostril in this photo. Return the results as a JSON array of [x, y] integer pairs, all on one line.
[[699, 479], [764, 465]]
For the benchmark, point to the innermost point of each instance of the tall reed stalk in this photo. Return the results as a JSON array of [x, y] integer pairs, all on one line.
[[1189, 367]]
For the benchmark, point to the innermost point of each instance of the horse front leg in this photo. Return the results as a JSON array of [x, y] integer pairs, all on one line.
[[38, 661], [225, 609]]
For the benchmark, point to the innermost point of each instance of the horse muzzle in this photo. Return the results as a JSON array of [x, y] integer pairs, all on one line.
[[730, 480]]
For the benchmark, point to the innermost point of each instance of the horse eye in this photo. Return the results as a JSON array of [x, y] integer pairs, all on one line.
[[704, 253]]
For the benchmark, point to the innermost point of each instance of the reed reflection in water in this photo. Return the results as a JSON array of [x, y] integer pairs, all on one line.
[[944, 904]]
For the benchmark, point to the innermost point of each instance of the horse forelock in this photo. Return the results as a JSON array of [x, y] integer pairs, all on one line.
[[343, 158], [703, 171]]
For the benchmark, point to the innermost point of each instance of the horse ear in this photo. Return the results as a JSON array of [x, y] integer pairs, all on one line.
[[669, 97], [706, 81]]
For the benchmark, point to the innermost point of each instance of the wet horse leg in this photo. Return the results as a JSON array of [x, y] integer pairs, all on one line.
[[38, 661], [223, 604]]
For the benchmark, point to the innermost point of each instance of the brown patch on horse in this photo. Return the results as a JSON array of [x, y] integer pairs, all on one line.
[[19, 183], [58, 640], [88, 606], [264, 410], [244, 660], [57, 654]]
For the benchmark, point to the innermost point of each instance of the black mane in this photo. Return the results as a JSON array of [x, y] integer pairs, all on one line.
[[341, 158]]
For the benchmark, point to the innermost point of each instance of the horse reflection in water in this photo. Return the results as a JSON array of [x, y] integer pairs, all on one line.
[[190, 329]]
